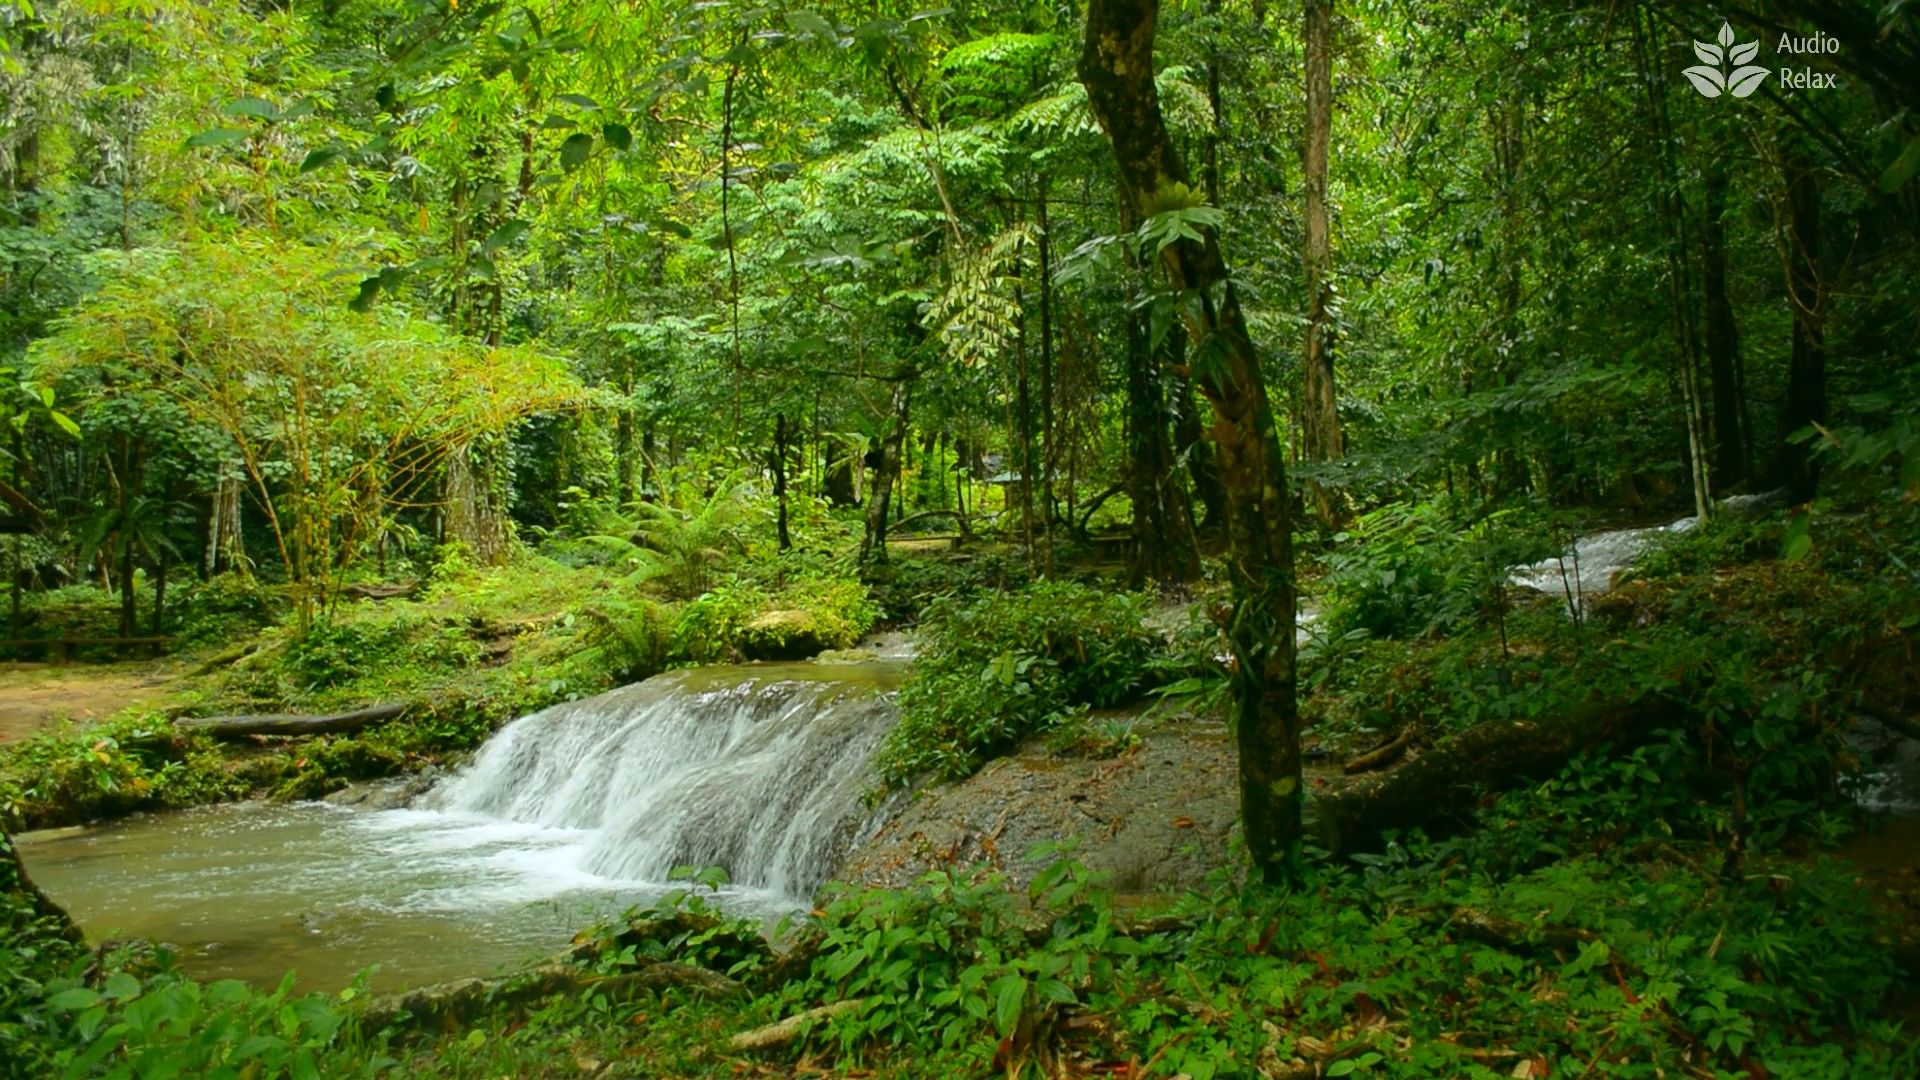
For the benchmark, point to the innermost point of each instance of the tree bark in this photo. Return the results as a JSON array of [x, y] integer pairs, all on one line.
[[1794, 466], [1723, 339], [1047, 445], [474, 514], [1116, 66], [1164, 550], [1189, 443], [780, 479], [1319, 414], [874, 543], [1671, 206]]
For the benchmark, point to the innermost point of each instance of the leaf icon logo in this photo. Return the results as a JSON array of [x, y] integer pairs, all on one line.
[[1711, 76]]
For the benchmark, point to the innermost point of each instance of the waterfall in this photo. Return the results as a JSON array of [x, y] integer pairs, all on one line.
[[759, 771], [1590, 565]]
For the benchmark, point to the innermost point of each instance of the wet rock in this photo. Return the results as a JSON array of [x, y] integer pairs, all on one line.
[[782, 635], [391, 793], [1155, 818], [845, 656]]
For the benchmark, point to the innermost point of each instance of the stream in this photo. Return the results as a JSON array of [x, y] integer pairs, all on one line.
[[564, 817]]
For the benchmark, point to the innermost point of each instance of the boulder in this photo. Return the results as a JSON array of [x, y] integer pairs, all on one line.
[[788, 634], [1156, 818]]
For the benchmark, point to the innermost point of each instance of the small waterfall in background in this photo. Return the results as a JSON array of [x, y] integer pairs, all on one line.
[[763, 776], [1590, 565]]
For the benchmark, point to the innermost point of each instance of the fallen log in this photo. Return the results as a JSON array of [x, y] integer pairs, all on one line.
[[780, 1033], [1381, 756], [445, 1006], [383, 590], [1437, 789], [235, 727]]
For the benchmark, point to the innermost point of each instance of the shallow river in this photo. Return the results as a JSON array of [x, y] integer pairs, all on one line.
[[253, 890], [566, 817]]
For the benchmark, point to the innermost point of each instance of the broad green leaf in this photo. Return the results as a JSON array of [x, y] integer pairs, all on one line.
[[573, 152], [259, 108], [1009, 1001], [504, 235], [74, 997], [321, 158]]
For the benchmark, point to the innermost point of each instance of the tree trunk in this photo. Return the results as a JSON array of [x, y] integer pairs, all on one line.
[[1723, 340], [129, 616], [475, 516], [649, 487], [1189, 442], [1023, 431], [1671, 207], [839, 482], [780, 480], [1163, 546], [1048, 441], [623, 454], [1320, 418], [160, 591], [874, 543], [1794, 466], [1117, 68]]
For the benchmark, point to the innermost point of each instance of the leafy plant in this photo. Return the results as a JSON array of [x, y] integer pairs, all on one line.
[[998, 669]]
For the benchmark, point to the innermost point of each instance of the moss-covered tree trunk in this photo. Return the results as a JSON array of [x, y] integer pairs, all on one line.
[[1117, 68], [475, 512]]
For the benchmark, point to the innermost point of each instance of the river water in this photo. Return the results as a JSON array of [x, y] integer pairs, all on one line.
[[564, 817]]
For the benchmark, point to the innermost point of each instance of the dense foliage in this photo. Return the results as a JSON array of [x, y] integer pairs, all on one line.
[[474, 357]]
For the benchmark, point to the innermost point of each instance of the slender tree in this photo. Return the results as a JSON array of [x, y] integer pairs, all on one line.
[[1116, 66]]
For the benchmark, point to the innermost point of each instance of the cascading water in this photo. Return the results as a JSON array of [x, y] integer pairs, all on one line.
[[762, 777], [565, 817], [1590, 565]]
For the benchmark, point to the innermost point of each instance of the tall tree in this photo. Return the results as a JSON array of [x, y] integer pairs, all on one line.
[[1116, 66], [1320, 418], [1723, 340], [1793, 465]]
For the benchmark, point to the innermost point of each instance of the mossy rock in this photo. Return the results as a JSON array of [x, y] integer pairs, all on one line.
[[788, 634]]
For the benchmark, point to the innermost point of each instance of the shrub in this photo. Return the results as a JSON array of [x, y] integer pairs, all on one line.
[[734, 621], [222, 607], [998, 669], [1408, 571]]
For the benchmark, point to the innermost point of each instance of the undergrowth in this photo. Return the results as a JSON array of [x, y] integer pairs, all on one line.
[[995, 670]]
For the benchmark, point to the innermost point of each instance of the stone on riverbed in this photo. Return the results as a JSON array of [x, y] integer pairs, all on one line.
[[789, 634], [1155, 818]]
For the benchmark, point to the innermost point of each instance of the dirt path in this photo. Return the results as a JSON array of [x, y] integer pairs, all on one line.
[[34, 697]]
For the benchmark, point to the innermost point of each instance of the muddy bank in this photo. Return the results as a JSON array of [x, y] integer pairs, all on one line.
[[36, 697], [1155, 818]]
